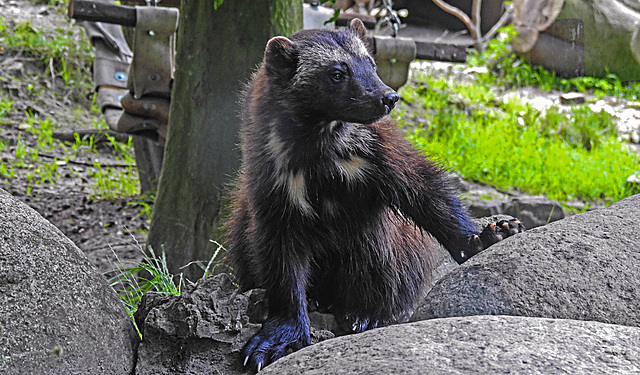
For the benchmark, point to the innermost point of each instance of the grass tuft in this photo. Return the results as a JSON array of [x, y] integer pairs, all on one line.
[[152, 275]]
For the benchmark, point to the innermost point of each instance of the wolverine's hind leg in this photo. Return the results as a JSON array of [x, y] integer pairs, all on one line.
[[237, 238]]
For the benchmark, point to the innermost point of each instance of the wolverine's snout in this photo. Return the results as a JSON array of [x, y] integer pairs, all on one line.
[[389, 100]]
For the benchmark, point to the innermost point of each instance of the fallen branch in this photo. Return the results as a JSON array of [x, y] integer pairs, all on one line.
[[479, 41], [86, 163], [99, 135], [461, 16], [506, 18]]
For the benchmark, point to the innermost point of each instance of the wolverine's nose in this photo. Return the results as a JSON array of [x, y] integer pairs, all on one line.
[[390, 99]]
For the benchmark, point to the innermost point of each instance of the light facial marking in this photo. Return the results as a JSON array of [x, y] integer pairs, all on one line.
[[332, 126], [359, 49], [314, 59]]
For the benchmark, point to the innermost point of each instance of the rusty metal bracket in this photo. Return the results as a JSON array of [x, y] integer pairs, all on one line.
[[153, 62], [148, 76]]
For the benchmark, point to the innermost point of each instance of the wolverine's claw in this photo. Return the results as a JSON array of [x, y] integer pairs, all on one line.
[[246, 360]]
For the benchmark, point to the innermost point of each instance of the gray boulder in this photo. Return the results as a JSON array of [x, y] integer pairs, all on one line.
[[57, 313], [474, 345], [533, 211], [200, 332], [483, 201], [584, 267], [203, 330]]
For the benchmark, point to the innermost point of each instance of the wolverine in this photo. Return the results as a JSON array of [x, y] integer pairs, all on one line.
[[332, 204]]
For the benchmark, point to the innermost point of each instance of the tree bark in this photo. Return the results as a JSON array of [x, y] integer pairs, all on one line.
[[594, 38], [217, 52]]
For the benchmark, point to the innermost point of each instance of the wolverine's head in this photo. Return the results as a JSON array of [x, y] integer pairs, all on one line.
[[327, 75]]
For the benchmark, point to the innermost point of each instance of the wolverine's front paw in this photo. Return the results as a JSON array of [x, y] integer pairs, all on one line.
[[491, 234], [277, 338]]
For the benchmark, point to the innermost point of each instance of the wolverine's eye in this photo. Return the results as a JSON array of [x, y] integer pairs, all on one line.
[[337, 76]]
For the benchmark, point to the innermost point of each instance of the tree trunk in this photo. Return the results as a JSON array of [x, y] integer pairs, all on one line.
[[217, 52], [594, 38]]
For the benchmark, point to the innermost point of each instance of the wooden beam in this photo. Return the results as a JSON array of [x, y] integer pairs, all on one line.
[[440, 52], [165, 3], [126, 16], [94, 11], [437, 51]]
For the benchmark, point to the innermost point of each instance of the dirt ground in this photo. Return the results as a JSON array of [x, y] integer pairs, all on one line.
[[100, 227]]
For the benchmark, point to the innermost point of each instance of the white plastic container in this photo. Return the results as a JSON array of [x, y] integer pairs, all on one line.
[[314, 17]]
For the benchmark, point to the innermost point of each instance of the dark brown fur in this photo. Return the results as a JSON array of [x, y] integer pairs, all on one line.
[[332, 203]]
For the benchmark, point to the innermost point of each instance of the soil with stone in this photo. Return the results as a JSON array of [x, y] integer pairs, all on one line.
[[102, 228], [108, 230]]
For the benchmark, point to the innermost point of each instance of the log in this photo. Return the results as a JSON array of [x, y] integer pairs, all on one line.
[[440, 52], [99, 135], [94, 11], [436, 51], [610, 39]]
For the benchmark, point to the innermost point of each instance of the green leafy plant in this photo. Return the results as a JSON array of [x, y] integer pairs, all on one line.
[[506, 69], [42, 130], [6, 171], [5, 108], [38, 153], [20, 151], [120, 180], [152, 274]]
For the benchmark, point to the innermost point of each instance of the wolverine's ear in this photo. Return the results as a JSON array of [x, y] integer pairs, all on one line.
[[357, 27], [280, 55]]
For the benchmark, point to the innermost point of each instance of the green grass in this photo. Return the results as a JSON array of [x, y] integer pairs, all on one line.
[[152, 275], [40, 169], [63, 53], [508, 71], [113, 182], [65, 56], [565, 156]]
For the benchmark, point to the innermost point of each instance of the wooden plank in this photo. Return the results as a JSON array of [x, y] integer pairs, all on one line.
[[440, 52], [165, 3], [94, 11], [437, 51]]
